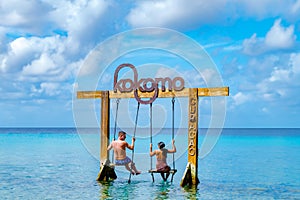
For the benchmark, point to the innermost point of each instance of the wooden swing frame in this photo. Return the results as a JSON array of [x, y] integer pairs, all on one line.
[[190, 176]]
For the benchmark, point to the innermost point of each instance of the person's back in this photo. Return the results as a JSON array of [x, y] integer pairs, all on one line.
[[161, 156], [119, 149], [119, 146]]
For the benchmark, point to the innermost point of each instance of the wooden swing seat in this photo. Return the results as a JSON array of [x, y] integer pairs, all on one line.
[[172, 171]]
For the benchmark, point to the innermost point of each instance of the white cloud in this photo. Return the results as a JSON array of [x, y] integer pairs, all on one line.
[[277, 38], [279, 75], [175, 13], [85, 21], [166, 72], [41, 66], [280, 37], [240, 98], [20, 52], [51, 89], [266, 9], [263, 8], [282, 84], [180, 14], [295, 63], [253, 45], [28, 15], [296, 7]]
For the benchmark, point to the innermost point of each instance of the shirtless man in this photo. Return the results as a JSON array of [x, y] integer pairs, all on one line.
[[161, 158], [119, 147]]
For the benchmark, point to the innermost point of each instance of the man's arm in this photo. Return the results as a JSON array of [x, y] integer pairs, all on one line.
[[109, 146], [131, 147], [152, 153], [174, 147]]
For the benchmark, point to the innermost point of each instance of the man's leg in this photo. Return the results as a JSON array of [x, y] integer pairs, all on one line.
[[128, 168], [134, 168]]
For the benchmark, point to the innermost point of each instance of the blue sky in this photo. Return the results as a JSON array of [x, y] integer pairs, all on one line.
[[254, 44]]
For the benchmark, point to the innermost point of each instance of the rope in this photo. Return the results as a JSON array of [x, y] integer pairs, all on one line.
[[136, 120], [173, 117], [151, 133], [115, 128]]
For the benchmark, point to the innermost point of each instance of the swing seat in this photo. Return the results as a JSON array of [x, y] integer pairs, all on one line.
[[113, 165], [172, 172]]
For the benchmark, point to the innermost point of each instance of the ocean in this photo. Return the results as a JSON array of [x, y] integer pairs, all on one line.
[[58, 163]]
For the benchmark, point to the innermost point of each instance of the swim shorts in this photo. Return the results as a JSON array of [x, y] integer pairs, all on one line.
[[164, 169], [123, 162]]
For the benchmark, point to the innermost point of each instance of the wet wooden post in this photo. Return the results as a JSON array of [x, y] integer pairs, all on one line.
[[190, 176], [105, 116], [106, 170], [193, 134]]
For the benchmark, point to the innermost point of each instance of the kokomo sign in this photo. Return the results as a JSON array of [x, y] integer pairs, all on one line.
[[145, 84]]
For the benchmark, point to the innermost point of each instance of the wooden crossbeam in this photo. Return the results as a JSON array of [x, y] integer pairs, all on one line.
[[204, 92]]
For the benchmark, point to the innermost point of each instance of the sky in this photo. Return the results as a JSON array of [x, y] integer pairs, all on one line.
[[255, 46]]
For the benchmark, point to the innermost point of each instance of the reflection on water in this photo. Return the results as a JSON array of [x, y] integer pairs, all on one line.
[[104, 192], [163, 192], [142, 190], [191, 192]]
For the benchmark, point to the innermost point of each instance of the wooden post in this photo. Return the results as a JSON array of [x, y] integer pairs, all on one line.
[[193, 134], [190, 176], [105, 104]]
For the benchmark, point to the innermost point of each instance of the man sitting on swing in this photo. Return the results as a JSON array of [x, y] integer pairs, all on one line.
[[119, 147], [161, 156]]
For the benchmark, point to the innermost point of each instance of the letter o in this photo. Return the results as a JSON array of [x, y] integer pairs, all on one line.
[[145, 86], [179, 87], [125, 84]]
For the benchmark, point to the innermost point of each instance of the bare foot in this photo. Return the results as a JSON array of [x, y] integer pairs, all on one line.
[[138, 172]]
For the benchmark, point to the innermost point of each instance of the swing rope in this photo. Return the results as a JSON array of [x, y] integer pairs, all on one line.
[[173, 129], [115, 128], [173, 171], [136, 120], [150, 132]]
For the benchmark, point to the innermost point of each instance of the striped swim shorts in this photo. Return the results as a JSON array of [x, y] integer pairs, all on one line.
[[123, 161]]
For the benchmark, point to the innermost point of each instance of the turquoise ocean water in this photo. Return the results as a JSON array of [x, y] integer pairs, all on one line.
[[55, 164]]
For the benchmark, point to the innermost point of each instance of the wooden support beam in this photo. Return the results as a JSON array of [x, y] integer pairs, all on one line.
[[193, 134], [219, 91], [190, 176], [104, 140]]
